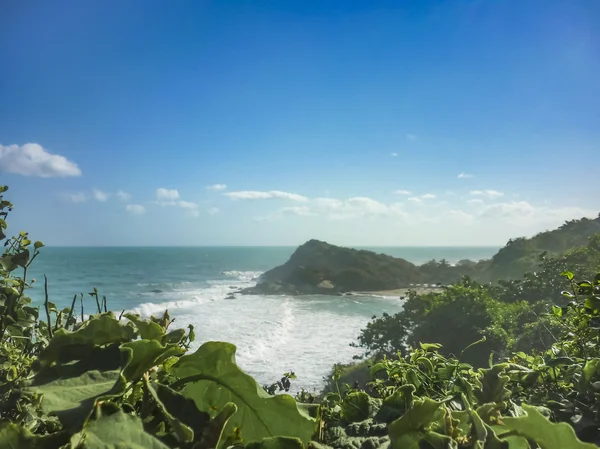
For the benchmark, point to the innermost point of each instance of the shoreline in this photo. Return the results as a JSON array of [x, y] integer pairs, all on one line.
[[397, 291]]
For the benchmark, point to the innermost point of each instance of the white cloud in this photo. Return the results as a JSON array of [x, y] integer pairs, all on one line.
[[475, 201], [33, 160], [213, 211], [163, 194], [461, 216], [488, 193], [217, 187], [411, 137], [78, 197], [418, 199], [465, 175], [135, 209], [524, 214], [99, 195], [356, 207], [271, 194], [302, 211], [402, 192], [123, 196], [393, 154], [186, 204]]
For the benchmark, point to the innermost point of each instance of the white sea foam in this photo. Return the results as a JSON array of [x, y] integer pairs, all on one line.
[[273, 334]]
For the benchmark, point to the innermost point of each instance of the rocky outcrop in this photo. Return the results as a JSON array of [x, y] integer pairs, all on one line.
[[320, 268]]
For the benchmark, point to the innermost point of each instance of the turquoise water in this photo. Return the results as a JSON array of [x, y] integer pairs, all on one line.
[[273, 334]]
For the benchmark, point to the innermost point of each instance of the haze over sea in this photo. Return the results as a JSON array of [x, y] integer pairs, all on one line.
[[273, 334]]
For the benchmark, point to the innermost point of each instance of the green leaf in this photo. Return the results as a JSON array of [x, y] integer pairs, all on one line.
[[117, 431], [277, 443], [409, 431], [22, 258], [585, 288], [17, 437], [557, 311], [430, 346], [182, 408], [38, 245], [356, 406], [3, 224], [394, 406], [560, 361], [67, 345], [493, 385], [591, 367], [212, 379], [568, 275], [173, 337], [183, 433], [148, 330], [144, 355], [534, 426], [73, 399], [592, 303], [7, 263]]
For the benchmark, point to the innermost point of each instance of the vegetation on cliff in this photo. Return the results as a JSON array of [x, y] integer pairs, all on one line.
[[68, 380], [321, 268]]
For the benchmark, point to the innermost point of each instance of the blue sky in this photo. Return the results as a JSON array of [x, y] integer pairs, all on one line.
[[346, 121]]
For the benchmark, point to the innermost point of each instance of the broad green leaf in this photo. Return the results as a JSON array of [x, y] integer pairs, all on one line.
[[511, 442], [148, 330], [66, 346], [117, 431], [21, 258], [592, 303], [7, 263], [144, 355], [493, 385], [534, 426], [277, 443], [73, 399], [212, 379], [212, 435], [38, 245], [13, 436], [408, 431], [394, 406], [173, 337], [182, 408], [356, 407], [183, 433]]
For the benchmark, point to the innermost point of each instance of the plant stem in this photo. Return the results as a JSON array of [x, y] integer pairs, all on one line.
[[71, 311], [46, 306]]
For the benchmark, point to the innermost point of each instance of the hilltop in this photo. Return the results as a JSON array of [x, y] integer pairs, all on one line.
[[318, 267]]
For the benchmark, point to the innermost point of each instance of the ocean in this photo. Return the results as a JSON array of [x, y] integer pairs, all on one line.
[[273, 335]]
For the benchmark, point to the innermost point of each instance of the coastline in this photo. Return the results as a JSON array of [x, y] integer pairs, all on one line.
[[398, 291]]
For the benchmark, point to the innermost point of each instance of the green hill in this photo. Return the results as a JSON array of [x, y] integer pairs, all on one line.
[[318, 267]]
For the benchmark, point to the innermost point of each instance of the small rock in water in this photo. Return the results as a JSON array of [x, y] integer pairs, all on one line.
[[156, 291]]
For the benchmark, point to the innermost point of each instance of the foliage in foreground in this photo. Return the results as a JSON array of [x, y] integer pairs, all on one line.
[[67, 381]]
